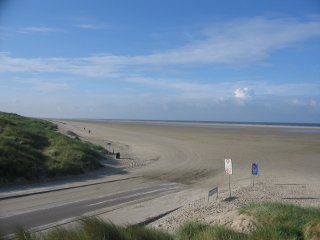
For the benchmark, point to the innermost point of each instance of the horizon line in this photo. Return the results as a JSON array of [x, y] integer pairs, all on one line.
[[196, 121]]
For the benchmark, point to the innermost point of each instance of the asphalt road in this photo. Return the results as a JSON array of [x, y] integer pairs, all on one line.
[[45, 215]]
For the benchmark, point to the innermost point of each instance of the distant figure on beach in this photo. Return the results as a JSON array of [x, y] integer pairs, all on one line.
[[89, 131]]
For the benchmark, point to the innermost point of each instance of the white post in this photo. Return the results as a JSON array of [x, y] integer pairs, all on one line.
[[229, 186]]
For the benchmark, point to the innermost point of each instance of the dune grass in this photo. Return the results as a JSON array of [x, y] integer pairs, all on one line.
[[96, 229], [284, 221], [199, 231], [32, 149], [275, 221]]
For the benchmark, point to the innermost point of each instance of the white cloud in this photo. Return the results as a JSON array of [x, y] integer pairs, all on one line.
[[44, 85], [90, 66], [39, 29], [297, 102], [245, 42], [184, 89], [231, 92], [243, 93], [238, 43], [91, 26]]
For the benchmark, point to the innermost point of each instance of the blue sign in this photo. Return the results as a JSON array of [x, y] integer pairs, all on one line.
[[255, 169]]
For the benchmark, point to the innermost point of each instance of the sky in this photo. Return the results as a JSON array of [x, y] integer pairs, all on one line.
[[243, 60]]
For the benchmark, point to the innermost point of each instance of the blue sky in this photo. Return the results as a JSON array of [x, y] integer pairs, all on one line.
[[212, 60]]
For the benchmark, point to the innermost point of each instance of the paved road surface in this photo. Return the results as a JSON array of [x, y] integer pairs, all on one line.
[[41, 215]]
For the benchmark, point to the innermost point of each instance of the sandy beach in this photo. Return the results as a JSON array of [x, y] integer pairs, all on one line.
[[193, 155]]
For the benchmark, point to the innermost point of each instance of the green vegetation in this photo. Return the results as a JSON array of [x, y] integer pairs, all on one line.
[[274, 222], [198, 231], [284, 221], [32, 149], [96, 229]]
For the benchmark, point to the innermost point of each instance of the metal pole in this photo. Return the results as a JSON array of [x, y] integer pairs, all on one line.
[[229, 186]]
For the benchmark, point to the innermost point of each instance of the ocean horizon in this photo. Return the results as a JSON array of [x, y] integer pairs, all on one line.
[[290, 124]]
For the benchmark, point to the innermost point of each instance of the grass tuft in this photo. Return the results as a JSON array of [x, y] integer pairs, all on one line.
[[143, 233], [23, 234], [191, 230], [312, 230], [198, 231], [95, 229], [266, 232], [284, 221]]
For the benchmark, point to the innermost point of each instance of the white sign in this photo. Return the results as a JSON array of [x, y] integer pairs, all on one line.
[[228, 166]]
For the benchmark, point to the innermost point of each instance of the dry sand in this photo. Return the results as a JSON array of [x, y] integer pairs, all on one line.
[[193, 154]]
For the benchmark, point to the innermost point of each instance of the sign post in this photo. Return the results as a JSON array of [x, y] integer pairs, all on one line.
[[228, 171], [254, 171]]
